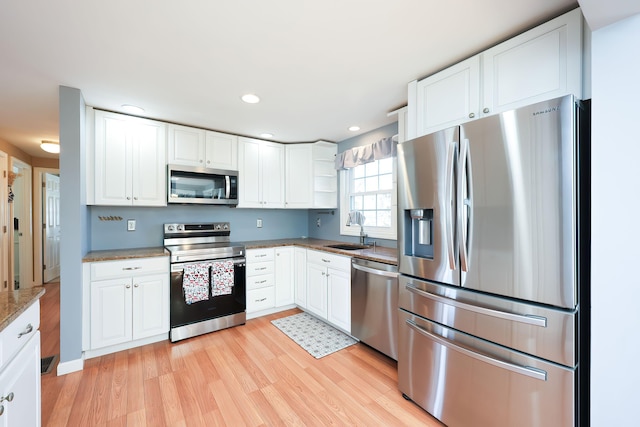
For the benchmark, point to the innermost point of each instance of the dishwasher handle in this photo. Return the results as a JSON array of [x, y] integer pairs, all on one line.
[[377, 272]]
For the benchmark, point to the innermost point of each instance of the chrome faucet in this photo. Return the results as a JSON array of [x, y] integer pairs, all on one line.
[[356, 217]]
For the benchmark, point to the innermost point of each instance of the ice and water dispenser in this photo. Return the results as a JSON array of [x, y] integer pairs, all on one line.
[[418, 228]]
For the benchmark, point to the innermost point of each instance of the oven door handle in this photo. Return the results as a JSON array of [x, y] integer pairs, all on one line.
[[179, 267]]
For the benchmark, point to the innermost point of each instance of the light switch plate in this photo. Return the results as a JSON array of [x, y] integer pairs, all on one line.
[[259, 223], [131, 225]]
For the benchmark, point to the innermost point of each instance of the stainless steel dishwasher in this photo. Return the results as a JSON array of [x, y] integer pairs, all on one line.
[[374, 305]]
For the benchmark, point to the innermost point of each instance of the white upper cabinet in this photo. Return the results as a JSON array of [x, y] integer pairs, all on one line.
[[130, 161], [311, 177], [298, 178], [542, 63], [449, 97], [260, 174], [197, 147]]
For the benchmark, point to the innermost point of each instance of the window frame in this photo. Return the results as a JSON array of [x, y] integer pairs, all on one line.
[[390, 233]]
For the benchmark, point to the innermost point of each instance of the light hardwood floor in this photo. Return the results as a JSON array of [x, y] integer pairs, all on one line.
[[250, 375]]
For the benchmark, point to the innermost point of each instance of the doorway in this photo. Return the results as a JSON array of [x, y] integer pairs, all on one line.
[[46, 214], [21, 262]]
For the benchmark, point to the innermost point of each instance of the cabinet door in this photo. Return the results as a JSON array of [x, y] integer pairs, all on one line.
[[284, 276], [186, 146], [150, 309], [112, 159], [317, 290], [300, 282], [110, 312], [339, 298], [298, 176], [21, 380], [221, 151], [541, 64], [449, 97], [249, 182], [272, 175], [148, 140]]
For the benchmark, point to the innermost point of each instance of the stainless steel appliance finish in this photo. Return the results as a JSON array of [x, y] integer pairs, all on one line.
[[206, 243], [188, 184], [493, 263], [374, 305]]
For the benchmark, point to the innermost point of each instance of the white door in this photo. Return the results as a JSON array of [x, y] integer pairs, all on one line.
[[111, 321], [51, 223], [339, 299], [150, 307], [272, 175], [284, 276]]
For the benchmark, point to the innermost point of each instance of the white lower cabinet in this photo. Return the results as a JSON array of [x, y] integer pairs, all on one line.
[[270, 276], [329, 288], [20, 397], [300, 273], [128, 301]]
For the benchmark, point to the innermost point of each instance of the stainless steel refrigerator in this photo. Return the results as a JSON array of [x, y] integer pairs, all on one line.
[[493, 245]]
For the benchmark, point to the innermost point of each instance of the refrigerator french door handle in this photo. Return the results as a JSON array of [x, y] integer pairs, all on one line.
[[464, 179], [449, 210], [514, 317], [535, 373]]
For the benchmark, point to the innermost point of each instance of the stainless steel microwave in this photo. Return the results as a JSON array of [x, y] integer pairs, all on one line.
[[187, 184]]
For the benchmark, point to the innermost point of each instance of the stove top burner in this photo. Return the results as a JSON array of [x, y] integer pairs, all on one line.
[[200, 241]]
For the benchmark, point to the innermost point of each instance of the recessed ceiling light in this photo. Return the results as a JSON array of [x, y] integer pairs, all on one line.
[[250, 98], [354, 128], [50, 146], [132, 109], [266, 135]]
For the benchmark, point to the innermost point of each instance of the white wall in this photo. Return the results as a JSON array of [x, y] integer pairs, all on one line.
[[615, 281]]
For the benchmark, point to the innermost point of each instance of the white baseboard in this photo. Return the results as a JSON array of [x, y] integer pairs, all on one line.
[[267, 311], [65, 368], [90, 354]]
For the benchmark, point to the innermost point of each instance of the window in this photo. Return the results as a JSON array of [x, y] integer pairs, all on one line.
[[370, 189]]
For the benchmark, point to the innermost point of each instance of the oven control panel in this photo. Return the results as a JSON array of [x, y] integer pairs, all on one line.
[[199, 228]]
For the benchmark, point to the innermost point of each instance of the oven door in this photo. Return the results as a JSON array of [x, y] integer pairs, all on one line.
[[182, 313]]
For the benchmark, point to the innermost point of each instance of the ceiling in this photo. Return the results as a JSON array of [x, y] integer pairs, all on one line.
[[318, 66]]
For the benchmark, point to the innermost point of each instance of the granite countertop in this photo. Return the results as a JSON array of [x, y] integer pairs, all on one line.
[[120, 254], [14, 303], [377, 253]]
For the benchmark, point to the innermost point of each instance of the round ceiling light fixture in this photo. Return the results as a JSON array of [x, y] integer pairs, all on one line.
[[132, 109], [250, 98], [50, 146], [266, 135], [354, 128]]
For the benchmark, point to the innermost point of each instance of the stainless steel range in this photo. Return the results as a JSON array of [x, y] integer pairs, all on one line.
[[208, 285]]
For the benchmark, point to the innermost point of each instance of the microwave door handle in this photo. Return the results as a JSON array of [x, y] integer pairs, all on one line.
[[227, 182]]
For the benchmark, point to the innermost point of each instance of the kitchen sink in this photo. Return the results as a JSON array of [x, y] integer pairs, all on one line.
[[347, 246]]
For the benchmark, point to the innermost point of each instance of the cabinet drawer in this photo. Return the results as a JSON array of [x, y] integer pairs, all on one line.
[[16, 335], [261, 299], [127, 268], [329, 260], [261, 281], [259, 255], [260, 268]]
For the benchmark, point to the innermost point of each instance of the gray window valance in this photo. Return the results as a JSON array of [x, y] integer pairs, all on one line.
[[357, 156]]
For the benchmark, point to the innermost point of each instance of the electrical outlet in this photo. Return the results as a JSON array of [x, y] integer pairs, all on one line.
[[318, 223], [131, 225], [259, 223]]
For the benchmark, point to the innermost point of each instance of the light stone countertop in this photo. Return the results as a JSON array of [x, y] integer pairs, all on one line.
[[14, 303], [120, 254]]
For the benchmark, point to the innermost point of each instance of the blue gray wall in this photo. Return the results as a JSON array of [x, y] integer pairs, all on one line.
[[73, 221], [330, 224], [276, 224]]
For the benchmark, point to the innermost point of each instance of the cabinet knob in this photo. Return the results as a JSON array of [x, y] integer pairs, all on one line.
[[485, 110], [128, 198], [136, 285], [1, 410], [135, 198], [208, 161], [471, 115], [127, 286], [8, 397], [200, 160]]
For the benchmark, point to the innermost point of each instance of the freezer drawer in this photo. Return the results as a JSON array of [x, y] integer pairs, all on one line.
[[544, 332], [465, 381]]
